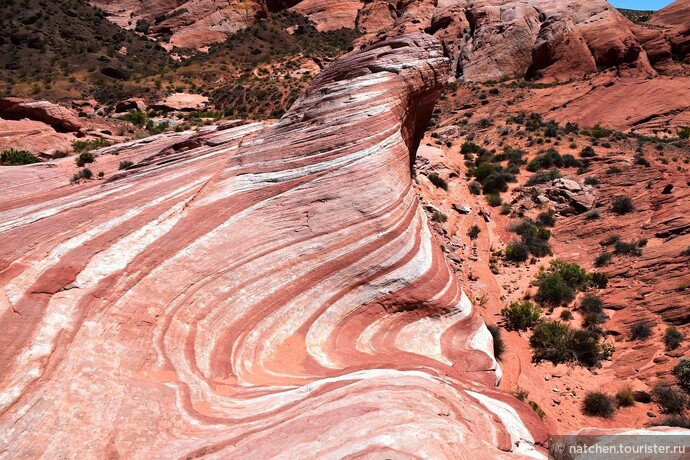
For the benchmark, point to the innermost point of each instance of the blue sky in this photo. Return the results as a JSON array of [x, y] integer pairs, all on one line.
[[641, 4]]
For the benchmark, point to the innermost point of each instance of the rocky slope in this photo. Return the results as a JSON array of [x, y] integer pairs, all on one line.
[[143, 317]]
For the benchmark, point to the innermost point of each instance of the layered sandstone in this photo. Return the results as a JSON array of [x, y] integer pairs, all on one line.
[[251, 291]]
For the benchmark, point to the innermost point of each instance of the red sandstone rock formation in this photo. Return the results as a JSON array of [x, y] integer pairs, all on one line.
[[250, 291], [59, 118]]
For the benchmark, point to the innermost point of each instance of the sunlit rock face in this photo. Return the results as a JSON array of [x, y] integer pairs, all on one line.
[[251, 291], [494, 39]]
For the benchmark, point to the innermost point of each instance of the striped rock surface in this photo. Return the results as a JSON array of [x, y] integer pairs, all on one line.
[[250, 291]]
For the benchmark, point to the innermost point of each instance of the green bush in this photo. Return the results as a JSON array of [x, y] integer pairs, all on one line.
[[438, 216], [438, 181], [474, 232], [632, 249], [499, 344], [592, 180], [520, 393], [673, 338], [475, 187], [566, 315], [84, 158], [682, 373], [517, 252], [622, 205], [539, 411], [88, 145], [494, 200], [640, 331], [136, 117], [669, 399], [82, 174], [14, 157], [520, 316], [550, 342], [598, 404], [588, 152], [603, 259], [125, 165], [542, 177], [592, 309], [547, 219], [678, 421]]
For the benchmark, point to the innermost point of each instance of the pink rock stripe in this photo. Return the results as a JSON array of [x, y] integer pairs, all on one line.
[[251, 291]]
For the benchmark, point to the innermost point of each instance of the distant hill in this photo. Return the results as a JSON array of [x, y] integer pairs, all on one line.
[[67, 48]]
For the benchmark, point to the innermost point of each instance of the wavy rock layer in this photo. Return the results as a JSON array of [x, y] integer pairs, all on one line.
[[251, 292]]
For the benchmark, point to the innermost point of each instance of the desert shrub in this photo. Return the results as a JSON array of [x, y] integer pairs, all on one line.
[[603, 259], [625, 396], [520, 393], [136, 117], [593, 214], [570, 161], [622, 205], [547, 219], [599, 132], [534, 235], [520, 316], [494, 200], [517, 252], [669, 399], [599, 280], [539, 411], [566, 315], [81, 174], [640, 331], [475, 187], [592, 311], [84, 158], [14, 157], [682, 373], [543, 177], [59, 154], [470, 147], [549, 341], [438, 181], [614, 170], [125, 164], [684, 133], [673, 338], [499, 344], [88, 145], [592, 180], [588, 152], [438, 216], [474, 232], [559, 283], [548, 159], [632, 249], [506, 209], [678, 421], [598, 404], [642, 397]]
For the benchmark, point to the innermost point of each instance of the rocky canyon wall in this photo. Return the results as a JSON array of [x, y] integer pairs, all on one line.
[[263, 291]]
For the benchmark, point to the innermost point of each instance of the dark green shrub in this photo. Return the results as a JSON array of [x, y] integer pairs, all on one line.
[[438, 216], [632, 249], [566, 315], [543, 177], [520, 393], [599, 280], [125, 164], [669, 399], [622, 205], [136, 117], [520, 316], [678, 421], [474, 232], [570, 161], [614, 170], [598, 404], [588, 152], [550, 342], [475, 187], [438, 181], [84, 158], [506, 209], [673, 338], [603, 259], [640, 331], [470, 147], [517, 252], [494, 200], [81, 174], [547, 219], [682, 373], [592, 180], [499, 344], [539, 411], [14, 157]]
